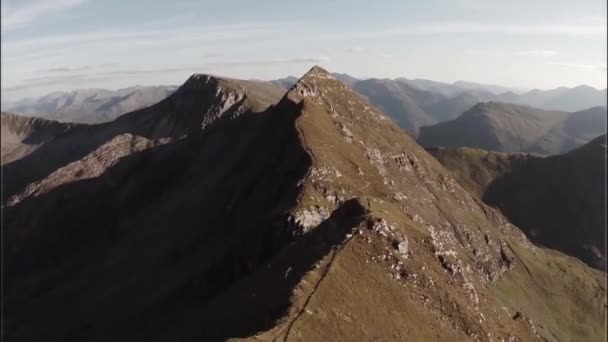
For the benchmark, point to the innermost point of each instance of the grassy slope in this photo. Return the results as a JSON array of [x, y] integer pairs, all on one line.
[[557, 200]]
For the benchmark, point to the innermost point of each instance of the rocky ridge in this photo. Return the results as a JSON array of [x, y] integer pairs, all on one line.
[[315, 219]]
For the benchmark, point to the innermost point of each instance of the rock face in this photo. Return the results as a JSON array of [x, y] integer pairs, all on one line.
[[559, 201], [315, 219]]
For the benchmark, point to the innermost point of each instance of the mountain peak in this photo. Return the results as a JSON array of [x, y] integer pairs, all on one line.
[[316, 71], [197, 81], [316, 83]]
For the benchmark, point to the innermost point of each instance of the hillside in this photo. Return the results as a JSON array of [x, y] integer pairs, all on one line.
[[400, 102], [23, 135], [559, 201], [91, 105], [217, 216], [493, 126], [575, 130]]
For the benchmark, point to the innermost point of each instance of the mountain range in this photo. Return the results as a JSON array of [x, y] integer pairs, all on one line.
[[90, 105], [410, 103], [236, 210], [416, 103]]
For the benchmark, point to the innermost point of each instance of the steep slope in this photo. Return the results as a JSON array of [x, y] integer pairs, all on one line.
[[195, 105], [317, 219], [559, 201], [91, 105], [492, 126], [577, 129], [22, 135]]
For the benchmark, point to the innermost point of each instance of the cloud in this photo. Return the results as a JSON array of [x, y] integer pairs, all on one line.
[[72, 69], [15, 18], [67, 69], [580, 66], [129, 38], [592, 28], [277, 61], [356, 49], [89, 74], [536, 53], [525, 53], [475, 52], [387, 55]]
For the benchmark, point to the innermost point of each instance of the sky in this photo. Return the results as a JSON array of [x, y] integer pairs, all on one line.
[[61, 45]]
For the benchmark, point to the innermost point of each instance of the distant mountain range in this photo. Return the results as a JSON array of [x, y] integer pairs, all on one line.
[[90, 105], [416, 103], [559, 201], [411, 103], [507, 127]]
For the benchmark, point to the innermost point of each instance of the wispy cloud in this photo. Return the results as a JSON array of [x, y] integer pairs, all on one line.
[[355, 49], [67, 69], [476, 52], [521, 53], [72, 69], [536, 53], [73, 76], [275, 61], [581, 66], [136, 38], [20, 16], [592, 28]]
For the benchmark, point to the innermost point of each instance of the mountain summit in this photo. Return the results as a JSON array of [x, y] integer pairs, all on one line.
[[315, 219]]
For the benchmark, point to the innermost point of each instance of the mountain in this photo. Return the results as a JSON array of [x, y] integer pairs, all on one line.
[[285, 83], [220, 213], [23, 135], [575, 130], [559, 201], [451, 108], [563, 98], [345, 78], [442, 88], [91, 105], [399, 101], [174, 118], [493, 126], [491, 88], [289, 81]]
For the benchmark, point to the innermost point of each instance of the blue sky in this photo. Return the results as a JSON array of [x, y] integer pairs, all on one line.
[[55, 45]]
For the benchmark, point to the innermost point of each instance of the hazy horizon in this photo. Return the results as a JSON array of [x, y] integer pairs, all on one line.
[[63, 45]]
